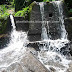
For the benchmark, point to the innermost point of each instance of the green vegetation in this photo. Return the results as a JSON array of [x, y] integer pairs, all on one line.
[[22, 12], [25, 11], [21, 8], [3, 12], [69, 6], [3, 17], [47, 0]]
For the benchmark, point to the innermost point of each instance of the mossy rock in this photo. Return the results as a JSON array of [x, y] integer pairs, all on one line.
[[2, 25], [5, 25]]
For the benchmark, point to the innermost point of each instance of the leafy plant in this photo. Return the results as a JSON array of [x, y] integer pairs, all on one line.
[[47, 0], [3, 13], [25, 11], [70, 10], [22, 12]]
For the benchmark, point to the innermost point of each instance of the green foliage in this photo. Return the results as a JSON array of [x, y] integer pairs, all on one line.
[[22, 12], [19, 4], [3, 25], [3, 13], [70, 10], [2, 9], [25, 11], [3, 17], [23, 3], [47, 0], [68, 3]]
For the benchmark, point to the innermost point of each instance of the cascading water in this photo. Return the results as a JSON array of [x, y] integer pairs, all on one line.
[[44, 31], [50, 54], [15, 49], [58, 4]]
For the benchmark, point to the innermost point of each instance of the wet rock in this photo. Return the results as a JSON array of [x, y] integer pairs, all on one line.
[[34, 32], [4, 40], [34, 45], [68, 25], [16, 67], [26, 63], [33, 51], [33, 64], [55, 64], [21, 24], [52, 69], [8, 26], [66, 49], [5, 25], [70, 68], [50, 12], [35, 17], [71, 49], [54, 30], [34, 37]]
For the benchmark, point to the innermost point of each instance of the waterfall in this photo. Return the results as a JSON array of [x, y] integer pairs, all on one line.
[[15, 49], [12, 22], [52, 54], [58, 4], [44, 31], [51, 50]]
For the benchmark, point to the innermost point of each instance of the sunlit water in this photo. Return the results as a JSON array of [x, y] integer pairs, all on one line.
[[50, 53], [15, 49]]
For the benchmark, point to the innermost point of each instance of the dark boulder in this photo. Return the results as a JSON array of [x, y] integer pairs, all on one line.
[[21, 24], [68, 25]]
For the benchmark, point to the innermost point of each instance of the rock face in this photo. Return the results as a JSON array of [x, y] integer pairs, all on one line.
[[51, 13], [27, 63], [68, 25], [4, 40], [52, 24], [5, 34], [20, 24], [6, 25], [35, 27]]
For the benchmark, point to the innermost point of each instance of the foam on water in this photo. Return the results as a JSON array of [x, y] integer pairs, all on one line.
[[44, 31], [50, 54], [58, 4], [15, 49]]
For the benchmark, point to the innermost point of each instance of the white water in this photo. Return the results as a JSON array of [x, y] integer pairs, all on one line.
[[61, 19], [44, 31], [50, 52], [15, 49]]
